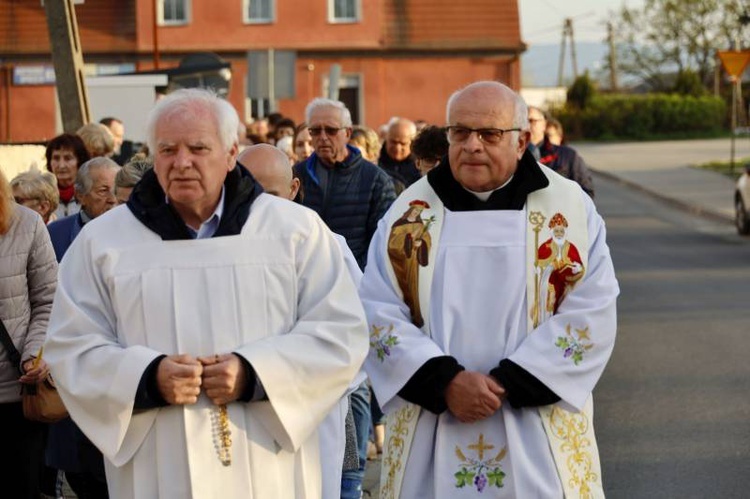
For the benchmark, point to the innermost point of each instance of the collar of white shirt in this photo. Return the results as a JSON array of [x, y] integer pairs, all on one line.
[[209, 226]]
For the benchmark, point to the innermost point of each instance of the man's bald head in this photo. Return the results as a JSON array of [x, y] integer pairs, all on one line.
[[270, 167], [399, 137], [482, 160]]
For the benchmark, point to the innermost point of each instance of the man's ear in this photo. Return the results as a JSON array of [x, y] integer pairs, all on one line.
[[524, 138], [232, 159], [294, 188]]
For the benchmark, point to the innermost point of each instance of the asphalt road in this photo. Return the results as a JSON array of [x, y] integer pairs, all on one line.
[[673, 407]]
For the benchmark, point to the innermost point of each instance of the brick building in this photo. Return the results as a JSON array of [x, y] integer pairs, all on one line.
[[396, 57]]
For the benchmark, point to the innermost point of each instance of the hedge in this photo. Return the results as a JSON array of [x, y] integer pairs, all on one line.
[[651, 116]]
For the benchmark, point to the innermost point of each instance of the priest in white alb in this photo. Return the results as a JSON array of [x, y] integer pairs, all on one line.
[[202, 332], [487, 391]]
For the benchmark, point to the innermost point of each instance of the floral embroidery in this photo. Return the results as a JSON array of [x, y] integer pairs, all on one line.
[[399, 426], [480, 472], [383, 342], [574, 346], [571, 429]]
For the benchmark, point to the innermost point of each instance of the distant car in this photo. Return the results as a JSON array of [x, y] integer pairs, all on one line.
[[742, 203]]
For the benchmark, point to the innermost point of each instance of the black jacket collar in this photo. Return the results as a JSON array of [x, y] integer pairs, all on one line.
[[527, 179], [148, 204]]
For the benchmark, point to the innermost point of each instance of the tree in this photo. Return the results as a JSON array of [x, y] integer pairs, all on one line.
[[581, 91], [669, 37]]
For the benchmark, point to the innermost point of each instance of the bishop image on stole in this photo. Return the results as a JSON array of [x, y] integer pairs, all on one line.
[[202, 332], [491, 299]]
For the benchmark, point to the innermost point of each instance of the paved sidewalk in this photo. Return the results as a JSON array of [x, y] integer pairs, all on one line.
[[663, 169]]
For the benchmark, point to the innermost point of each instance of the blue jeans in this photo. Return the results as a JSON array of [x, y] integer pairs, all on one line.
[[351, 480]]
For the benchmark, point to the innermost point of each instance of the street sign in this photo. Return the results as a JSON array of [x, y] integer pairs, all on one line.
[[734, 61]]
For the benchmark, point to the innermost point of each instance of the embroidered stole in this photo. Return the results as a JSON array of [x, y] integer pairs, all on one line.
[[570, 434]]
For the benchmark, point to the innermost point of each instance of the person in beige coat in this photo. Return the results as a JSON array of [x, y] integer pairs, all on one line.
[[28, 277]]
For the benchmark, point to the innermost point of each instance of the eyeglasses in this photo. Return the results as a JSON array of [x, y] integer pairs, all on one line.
[[458, 134], [329, 130], [23, 201]]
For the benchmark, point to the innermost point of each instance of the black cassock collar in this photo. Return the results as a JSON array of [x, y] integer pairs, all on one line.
[[527, 179]]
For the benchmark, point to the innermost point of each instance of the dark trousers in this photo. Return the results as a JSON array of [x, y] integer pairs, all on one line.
[[87, 485], [21, 452]]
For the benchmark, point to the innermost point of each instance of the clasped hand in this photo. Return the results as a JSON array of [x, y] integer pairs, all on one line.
[[473, 396], [180, 378]]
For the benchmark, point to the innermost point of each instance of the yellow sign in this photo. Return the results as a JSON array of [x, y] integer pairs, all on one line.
[[734, 61]]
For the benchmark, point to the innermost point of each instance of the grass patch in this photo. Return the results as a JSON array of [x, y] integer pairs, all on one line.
[[725, 167]]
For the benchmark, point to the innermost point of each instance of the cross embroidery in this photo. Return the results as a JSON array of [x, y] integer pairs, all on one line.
[[480, 447]]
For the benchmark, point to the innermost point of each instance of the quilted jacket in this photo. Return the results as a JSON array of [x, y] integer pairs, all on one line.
[[28, 278]]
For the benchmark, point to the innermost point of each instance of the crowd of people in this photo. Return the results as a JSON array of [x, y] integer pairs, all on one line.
[[275, 303]]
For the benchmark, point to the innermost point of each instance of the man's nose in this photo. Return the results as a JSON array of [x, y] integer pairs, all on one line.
[[472, 142], [183, 158]]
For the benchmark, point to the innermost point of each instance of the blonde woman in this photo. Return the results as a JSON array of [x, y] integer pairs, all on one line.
[[38, 191], [366, 140], [28, 277], [98, 139]]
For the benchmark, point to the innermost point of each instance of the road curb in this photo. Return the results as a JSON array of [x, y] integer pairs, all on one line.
[[693, 208]]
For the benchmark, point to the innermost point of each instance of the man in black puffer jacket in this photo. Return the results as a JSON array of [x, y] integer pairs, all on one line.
[[348, 192]]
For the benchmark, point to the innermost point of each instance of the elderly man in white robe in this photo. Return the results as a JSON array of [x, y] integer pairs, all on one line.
[[485, 396], [203, 331]]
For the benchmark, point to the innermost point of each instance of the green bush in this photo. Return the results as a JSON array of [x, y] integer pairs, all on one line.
[[581, 92], [639, 117]]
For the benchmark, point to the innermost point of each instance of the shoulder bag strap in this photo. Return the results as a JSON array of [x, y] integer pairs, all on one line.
[[7, 342]]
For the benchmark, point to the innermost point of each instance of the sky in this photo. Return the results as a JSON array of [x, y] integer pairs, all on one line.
[[542, 20]]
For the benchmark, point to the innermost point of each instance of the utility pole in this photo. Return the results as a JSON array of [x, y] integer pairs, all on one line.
[[567, 33], [67, 59], [612, 57]]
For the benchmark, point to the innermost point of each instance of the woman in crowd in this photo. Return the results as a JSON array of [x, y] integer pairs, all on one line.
[[98, 139], [429, 147], [65, 153], [367, 141], [302, 142], [28, 277], [38, 191], [129, 175]]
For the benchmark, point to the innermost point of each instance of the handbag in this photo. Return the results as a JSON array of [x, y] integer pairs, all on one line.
[[40, 401]]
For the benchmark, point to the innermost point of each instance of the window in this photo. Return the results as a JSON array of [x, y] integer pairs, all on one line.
[[343, 11], [174, 12], [259, 11]]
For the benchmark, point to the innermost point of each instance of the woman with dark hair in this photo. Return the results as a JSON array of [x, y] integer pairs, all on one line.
[[429, 147], [28, 278], [65, 153]]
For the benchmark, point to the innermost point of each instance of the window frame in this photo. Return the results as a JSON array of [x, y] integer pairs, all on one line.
[[164, 22], [332, 19], [246, 19]]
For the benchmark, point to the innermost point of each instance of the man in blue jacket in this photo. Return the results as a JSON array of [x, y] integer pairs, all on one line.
[[95, 189], [348, 192]]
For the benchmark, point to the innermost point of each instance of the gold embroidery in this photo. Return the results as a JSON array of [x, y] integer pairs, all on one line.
[[480, 447], [571, 429], [393, 457], [536, 219]]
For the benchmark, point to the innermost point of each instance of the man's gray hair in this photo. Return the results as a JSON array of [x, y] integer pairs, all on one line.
[[320, 102], [84, 182], [184, 101], [520, 111]]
